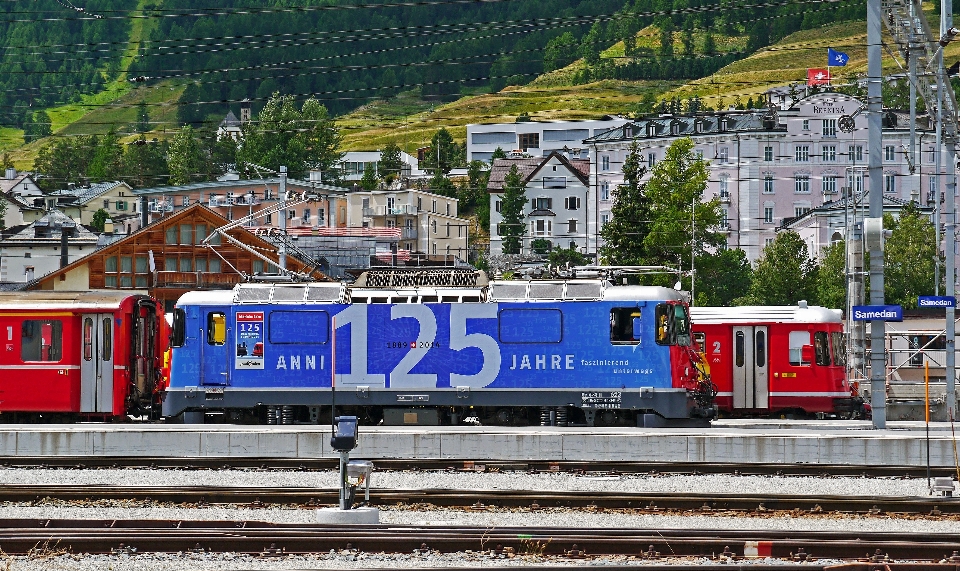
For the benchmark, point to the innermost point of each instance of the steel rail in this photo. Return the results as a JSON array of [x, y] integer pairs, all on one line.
[[479, 499], [129, 536], [471, 465]]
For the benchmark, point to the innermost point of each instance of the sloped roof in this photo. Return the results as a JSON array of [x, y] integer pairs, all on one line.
[[573, 169], [687, 125], [501, 167], [8, 184], [85, 194], [230, 120], [889, 203], [53, 220]]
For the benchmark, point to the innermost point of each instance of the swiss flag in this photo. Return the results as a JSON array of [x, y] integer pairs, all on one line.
[[818, 76]]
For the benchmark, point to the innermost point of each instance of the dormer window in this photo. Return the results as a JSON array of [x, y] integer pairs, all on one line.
[[698, 126], [723, 124], [651, 129], [675, 128]]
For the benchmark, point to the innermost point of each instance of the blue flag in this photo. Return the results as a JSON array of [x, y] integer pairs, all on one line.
[[835, 58]]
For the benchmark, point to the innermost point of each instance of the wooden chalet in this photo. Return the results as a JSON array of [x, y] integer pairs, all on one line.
[[168, 258]]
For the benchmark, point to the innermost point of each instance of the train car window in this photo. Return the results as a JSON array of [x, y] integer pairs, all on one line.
[[471, 299], [761, 349], [359, 300], [681, 325], [379, 300], [449, 299], [299, 327], [216, 328], [87, 338], [797, 340], [107, 338], [738, 346], [625, 326], [429, 299], [839, 348], [664, 325], [821, 348], [179, 335], [41, 340], [531, 326]]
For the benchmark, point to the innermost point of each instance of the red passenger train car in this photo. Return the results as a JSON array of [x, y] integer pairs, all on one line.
[[767, 360], [72, 355]]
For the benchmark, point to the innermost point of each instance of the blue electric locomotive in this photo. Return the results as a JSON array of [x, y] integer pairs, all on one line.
[[397, 351]]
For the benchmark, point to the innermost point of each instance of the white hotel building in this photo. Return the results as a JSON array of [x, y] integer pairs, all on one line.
[[769, 167]]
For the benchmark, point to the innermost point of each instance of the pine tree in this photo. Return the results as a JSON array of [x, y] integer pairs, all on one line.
[[512, 228]]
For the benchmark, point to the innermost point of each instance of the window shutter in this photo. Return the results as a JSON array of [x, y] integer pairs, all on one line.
[[578, 203], [549, 204], [533, 203]]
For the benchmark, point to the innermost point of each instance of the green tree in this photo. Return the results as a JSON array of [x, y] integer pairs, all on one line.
[[666, 37], [99, 219], [675, 191], [36, 126], [185, 157], [145, 163], [784, 274], [66, 160], [909, 255], [559, 257], [722, 276], [443, 154], [442, 185], [540, 246], [143, 118], [709, 45], [624, 234], [391, 163], [831, 284], [560, 52], [300, 139], [369, 180], [107, 161], [512, 228], [498, 153], [5, 161], [590, 46]]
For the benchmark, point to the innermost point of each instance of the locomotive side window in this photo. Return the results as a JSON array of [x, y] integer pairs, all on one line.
[[216, 328], [531, 326], [673, 325], [625, 326], [663, 324], [821, 348], [797, 340], [681, 325], [87, 338], [299, 327], [179, 335], [839, 349], [41, 340]]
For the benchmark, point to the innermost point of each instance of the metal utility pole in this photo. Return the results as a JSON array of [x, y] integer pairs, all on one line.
[[282, 249], [878, 354], [949, 210]]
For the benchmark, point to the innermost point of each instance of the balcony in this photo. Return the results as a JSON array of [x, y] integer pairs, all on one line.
[[396, 210], [160, 207], [724, 197], [195, 280], [409, 234], [247, 200]]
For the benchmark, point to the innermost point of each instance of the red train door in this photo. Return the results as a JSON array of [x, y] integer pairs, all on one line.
[[751, 379], [96, 363]]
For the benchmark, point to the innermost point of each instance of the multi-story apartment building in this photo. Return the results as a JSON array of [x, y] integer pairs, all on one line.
[[558, 194], [536, 138], [771, 165], [428, 223]]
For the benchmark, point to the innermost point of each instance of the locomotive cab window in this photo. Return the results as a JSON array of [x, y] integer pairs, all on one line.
[[673, 325], [216, 328], [821, 348], [178, 337], [41, 340], [625, 326], [839, 349]]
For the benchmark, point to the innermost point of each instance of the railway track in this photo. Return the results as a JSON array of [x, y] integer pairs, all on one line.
[[477, 500], [139, 536], [467, 465]]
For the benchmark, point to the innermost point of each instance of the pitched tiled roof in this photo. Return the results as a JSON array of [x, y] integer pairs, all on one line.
[[697, 124], [500, 168]]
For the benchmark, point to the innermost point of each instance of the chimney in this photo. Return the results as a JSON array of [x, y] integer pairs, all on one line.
[[144, 213], [10, 174], [64, 255], [108, 226], [315, 176]]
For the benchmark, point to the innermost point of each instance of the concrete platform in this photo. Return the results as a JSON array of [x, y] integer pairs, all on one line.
[[767, 442]]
